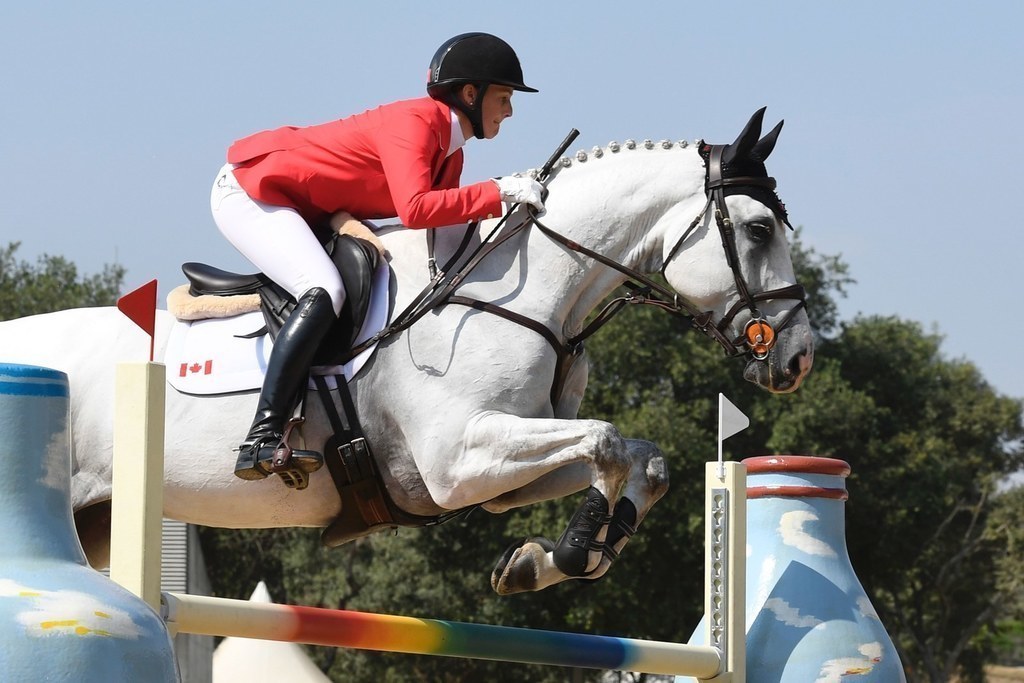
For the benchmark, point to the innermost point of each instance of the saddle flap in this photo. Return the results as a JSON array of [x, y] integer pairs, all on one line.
[[356, 261], [204, 279], [222, 355]]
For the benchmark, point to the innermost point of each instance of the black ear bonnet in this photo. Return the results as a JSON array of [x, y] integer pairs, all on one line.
[[745, 158]]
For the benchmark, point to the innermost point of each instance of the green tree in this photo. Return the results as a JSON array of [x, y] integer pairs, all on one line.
[[825, 278], [51, 284], [1006, 528]]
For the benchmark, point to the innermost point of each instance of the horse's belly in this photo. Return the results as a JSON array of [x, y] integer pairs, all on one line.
[[201, 435]]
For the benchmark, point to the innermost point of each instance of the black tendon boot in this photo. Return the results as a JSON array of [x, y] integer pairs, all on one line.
[[287, 374]]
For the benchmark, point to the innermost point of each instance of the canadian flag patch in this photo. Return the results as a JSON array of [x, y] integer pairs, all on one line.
[[186, 369]]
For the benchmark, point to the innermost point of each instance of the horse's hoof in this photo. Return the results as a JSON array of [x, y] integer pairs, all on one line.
[[517, 570]]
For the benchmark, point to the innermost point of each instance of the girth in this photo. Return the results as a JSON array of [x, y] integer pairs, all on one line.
[[366, 506]]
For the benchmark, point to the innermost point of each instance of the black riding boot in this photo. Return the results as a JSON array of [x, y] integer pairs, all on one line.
[[287, 374]]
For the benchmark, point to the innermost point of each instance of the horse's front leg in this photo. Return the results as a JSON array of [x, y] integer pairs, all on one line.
[[646, 484], [503, 453], [536, 563]]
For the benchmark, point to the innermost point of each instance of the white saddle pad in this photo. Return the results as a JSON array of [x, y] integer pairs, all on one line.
[[210, 357]]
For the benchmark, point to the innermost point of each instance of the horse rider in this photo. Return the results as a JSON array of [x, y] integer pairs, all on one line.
[[401, 159]]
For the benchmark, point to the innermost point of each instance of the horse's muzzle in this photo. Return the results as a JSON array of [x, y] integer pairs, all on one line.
[[780, 373]]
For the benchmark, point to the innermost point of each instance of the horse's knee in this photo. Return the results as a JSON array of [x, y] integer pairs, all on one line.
[[650, 469], [604, 438], [609, 451]]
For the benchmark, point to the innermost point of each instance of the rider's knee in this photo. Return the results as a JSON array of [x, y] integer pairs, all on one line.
[[607, 447], [334, 289], [337, 295]]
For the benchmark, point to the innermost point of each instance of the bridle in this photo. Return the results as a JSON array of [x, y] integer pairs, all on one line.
[[758, 336]]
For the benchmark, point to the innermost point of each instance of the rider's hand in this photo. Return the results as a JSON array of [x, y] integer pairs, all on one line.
[[518, 190]]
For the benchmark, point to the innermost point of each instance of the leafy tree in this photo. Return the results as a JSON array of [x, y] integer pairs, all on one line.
[[1005, 638], [51, 284]]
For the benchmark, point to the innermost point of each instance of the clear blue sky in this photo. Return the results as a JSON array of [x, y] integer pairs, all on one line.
[[901, 150]]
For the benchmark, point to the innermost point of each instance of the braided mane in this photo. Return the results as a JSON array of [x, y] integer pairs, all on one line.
[[613, 147]]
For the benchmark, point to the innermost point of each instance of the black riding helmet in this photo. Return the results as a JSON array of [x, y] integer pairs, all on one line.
[[477, 58]]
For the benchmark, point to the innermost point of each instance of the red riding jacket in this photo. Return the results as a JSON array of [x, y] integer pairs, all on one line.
[[386, 162]]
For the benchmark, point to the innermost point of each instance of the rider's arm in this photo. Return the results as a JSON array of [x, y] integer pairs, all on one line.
[[407, 150]]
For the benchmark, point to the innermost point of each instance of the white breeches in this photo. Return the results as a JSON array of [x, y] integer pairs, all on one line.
[[275, 239]]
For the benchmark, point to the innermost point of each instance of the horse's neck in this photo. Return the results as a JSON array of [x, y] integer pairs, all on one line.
[[617, 205], [624, 206]]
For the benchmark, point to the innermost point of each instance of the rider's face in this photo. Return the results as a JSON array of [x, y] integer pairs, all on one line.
[[495, 108]]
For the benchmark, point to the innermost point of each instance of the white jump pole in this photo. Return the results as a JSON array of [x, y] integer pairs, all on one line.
[[725, 566], [136, 525]]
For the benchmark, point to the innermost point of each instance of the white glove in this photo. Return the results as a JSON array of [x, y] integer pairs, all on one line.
[[517, 190]]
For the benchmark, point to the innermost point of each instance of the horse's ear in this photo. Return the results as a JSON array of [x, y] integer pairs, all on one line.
[[748, 138], [766, 144]]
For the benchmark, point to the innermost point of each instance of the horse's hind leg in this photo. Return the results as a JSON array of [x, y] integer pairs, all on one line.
[[93, 525], [596, 534]]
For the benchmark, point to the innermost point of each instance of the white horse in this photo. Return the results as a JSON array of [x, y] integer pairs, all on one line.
[[458, 408]]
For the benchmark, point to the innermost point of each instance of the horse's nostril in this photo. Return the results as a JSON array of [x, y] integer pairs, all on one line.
[[797, 365]]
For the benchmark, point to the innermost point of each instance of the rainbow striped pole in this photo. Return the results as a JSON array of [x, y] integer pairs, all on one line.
[[723, 660], [360, 630]]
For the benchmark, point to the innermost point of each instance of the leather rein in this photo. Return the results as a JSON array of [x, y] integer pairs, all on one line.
[[758, 337]]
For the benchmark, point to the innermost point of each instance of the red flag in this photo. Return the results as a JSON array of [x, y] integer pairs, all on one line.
[[140, 307]]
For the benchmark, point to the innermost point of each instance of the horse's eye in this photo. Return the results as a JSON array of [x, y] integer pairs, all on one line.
[[760, 232]]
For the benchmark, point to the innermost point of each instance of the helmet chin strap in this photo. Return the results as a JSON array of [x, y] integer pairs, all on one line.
[[474, 111]]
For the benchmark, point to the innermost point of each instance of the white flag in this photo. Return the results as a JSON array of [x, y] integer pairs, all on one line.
[[730, 419]]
